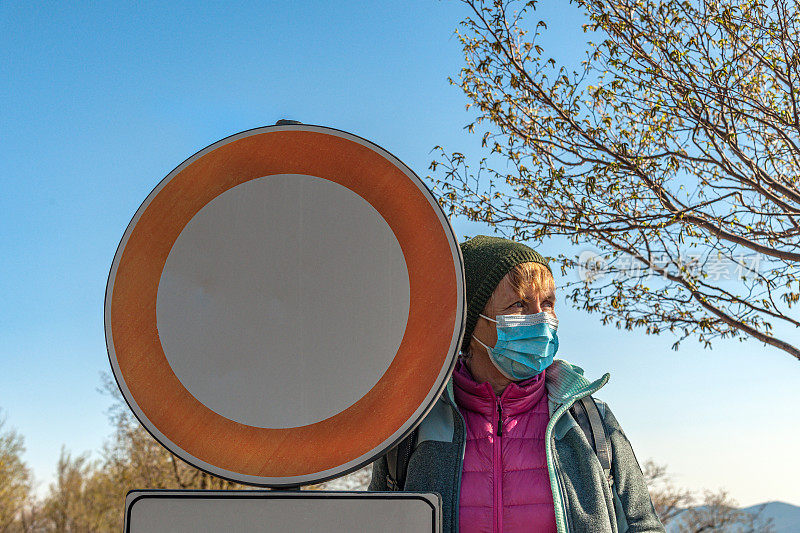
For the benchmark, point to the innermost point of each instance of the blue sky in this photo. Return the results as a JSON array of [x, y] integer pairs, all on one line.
[[98, 102]]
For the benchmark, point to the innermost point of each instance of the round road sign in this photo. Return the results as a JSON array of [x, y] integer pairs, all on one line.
[[285, 305]]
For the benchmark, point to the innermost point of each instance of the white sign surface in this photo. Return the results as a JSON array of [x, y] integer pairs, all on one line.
[[270, 328]]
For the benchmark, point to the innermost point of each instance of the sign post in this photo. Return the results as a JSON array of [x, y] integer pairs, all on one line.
[[283, 308]]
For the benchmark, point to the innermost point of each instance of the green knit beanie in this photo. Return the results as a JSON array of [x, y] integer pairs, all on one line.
[[486, 261]]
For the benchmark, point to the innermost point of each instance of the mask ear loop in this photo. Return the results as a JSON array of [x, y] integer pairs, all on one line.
[[489, 350], [487, 318]]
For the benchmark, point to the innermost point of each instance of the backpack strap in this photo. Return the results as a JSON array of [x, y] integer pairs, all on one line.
[[397, 461], [587, 415]]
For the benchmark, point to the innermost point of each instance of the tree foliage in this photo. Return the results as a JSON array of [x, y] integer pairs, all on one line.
[[682, 511], [15, 479], [668, 500], [674, 148], [80, 498], [719, 514], [88, 495]]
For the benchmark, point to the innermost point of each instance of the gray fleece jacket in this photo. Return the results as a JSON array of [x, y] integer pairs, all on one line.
[[583, 499]]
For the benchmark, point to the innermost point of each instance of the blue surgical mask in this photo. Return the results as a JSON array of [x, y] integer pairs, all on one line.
[[526, 344]]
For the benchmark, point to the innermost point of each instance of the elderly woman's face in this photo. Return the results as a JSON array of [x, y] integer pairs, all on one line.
[[504, 301]]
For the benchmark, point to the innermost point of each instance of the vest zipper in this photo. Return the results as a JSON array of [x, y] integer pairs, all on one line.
[[499, 419], [498, 472]]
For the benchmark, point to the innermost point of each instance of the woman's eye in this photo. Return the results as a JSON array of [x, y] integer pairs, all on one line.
[[518, 304]]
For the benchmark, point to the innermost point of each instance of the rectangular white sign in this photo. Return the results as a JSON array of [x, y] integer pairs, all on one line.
[[191, 511]]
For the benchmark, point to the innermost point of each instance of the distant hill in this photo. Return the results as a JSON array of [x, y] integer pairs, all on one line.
[[785, 517]]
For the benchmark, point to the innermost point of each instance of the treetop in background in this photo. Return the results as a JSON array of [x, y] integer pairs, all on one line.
[[674, 148]]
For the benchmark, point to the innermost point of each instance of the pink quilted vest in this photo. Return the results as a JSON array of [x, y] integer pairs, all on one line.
[[504, 485]]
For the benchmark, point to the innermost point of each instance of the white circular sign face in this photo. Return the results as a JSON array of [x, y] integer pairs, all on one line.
[[285, 306], [297, 314]]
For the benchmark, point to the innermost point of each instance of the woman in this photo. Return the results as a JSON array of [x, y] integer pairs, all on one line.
[[501, 446]]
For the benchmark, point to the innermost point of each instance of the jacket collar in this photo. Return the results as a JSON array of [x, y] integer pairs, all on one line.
[[565, 383], [517, 398]]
